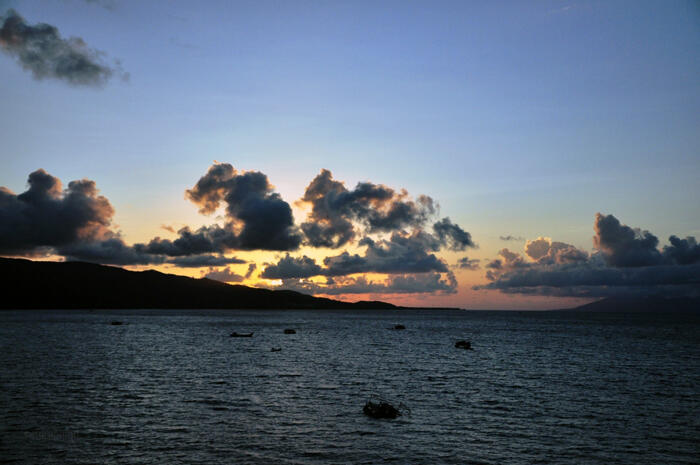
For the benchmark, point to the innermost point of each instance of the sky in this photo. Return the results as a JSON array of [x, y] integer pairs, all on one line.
[[485, 155]]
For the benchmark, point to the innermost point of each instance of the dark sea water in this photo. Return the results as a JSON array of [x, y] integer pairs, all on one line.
[[171, 387]]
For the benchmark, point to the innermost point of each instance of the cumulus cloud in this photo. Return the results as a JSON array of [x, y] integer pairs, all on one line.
[[76, 223], [47, 215], [377, 208], [41, 50], [401, 253], [257, 217], [682, 251], [624, 246], [290, 267], [207, 239], [544, 250], [627, 263]]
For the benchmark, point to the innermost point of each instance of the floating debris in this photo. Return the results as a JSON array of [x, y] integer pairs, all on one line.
[[117, 323], [235, 334], [276, 349], [399, 327], [289, 331], [466, 345]]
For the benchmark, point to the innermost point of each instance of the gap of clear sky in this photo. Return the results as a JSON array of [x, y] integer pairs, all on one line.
[[520, 118]]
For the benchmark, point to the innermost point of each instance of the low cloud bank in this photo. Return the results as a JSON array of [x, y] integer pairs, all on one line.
[[626, 262]]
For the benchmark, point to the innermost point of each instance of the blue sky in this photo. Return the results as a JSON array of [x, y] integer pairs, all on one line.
[[522, 118]]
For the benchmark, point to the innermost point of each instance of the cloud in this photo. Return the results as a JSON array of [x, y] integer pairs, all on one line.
[[511, 238], [41, 50], [377, 208], [627, 263], [197, 261], [291, 267], [401, 253], [46, 215], [207, 239], [257, 218], [76, 223], [452, 236], [544, 250], [682, 251], [251, 269], [624, 246], [399, 284], [466, 263], [110, 251], [225, 275]]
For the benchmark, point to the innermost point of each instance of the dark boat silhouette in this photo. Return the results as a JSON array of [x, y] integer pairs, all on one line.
[[235, 334]]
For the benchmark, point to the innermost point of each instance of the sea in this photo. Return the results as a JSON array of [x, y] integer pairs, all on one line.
[[171, 387]]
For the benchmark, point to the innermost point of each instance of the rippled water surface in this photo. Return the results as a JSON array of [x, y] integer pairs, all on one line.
[[172, 387]]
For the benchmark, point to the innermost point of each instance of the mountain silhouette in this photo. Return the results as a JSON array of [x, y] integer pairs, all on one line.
[[641, 304], [31, 284]]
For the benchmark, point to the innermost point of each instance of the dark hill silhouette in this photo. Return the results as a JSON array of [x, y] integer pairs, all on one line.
[[641, 304], [30, 284]]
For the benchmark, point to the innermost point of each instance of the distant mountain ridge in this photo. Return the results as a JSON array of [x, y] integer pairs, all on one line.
[[28, 284], [640, 304]]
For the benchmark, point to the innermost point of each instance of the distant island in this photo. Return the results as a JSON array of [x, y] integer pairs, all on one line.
[[647, 304], [31, 284]]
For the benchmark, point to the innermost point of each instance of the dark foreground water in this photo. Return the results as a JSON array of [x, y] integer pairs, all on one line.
[[172, 387]]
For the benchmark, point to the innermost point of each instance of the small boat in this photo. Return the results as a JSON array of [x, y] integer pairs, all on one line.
[[289, 331], [278, 349], [235, 334], [467, 345], [399, 327]]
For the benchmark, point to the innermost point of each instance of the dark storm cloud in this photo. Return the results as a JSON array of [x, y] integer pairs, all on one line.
[[377, 208], [627, 263], [452, 236], [467, 263], [265, 220], [402, 253], [46, 215], [400, 284], [41, 50]]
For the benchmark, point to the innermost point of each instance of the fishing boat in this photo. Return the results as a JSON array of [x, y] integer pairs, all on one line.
[[235, 334]]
